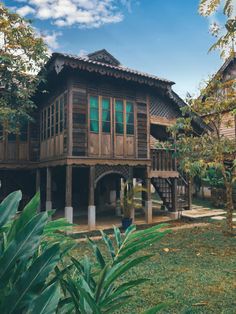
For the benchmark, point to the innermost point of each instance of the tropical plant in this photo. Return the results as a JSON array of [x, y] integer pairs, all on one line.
[[28, 255], [226, 35], [129, 192], [22, 54], [197, 154], [101, 287]]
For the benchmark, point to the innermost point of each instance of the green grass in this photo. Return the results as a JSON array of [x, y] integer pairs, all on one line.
[[192, 271], [204, 203]]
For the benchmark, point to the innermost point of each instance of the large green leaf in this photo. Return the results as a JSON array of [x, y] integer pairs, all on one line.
[[28, 212], [31, 281], [9, 207], [23, 245], [47, 301]]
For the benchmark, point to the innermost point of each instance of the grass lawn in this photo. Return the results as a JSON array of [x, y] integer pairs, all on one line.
[[192, 271]]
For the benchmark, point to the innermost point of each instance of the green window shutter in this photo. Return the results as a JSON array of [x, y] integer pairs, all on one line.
[[94, 114], [119, 114], [106, 115], [129, 118]]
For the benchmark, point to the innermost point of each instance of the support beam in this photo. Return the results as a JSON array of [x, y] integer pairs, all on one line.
[[91, 207], [68, 198], [148, 198], [174, 195], [37, 186], [48, 189]]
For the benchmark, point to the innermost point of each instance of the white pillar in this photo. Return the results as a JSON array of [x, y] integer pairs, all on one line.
[[91, 217]]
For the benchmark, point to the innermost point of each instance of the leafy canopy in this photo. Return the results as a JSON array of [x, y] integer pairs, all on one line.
[[22, 54], [226, 36]]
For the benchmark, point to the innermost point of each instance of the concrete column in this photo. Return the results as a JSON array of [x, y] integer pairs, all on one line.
[[37, 186], [48, 189], [113, 197], [91, 207], [118, 198], [68, 198]]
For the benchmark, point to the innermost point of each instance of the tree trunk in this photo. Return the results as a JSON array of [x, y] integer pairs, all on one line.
[[229, 208]]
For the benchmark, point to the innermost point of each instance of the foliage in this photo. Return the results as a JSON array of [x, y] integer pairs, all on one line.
[[22, 54], [96, 287], [28, 255], [214, 178], [129, 191], [226, 40], [212, 149]]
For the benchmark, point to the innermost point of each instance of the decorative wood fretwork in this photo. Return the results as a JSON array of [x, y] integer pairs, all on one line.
[[102, 170]]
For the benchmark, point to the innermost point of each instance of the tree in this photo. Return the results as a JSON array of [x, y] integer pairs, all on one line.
[[22, 54], [212, 149], [226, 36]]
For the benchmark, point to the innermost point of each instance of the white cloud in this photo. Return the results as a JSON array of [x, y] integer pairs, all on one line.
[[25, 10], [51, 39], [84, 13]]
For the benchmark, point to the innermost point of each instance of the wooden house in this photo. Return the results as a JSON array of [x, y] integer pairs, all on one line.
[[96, 122], [227, 74]]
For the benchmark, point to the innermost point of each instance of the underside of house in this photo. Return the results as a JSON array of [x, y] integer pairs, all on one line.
[[96, 126]]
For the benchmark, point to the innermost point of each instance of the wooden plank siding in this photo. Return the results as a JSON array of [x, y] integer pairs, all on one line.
[[228, 126], [108, 145]]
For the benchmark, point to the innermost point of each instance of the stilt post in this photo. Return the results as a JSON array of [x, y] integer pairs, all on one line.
[[148, 198], [37, 186], [91, 207], [48, 188], [68, 196]]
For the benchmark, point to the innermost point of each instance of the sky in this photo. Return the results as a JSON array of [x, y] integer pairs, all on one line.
[[167, 38]]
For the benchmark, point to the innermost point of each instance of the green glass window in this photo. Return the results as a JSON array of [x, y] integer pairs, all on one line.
[[106, 116], [129, 118], [119, 114], [94, 114]]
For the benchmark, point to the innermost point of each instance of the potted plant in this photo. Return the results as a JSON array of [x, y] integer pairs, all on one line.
[[129, 191]]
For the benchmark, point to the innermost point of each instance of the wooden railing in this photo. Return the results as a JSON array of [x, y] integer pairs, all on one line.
[[163, 160]]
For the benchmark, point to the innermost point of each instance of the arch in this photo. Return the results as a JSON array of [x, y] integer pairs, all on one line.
[[108, 173]]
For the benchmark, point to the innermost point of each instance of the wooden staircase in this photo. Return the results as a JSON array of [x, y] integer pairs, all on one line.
[[169, 183]]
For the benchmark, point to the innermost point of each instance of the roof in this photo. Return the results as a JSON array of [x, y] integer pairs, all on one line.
[[105, 62], [231, 58]]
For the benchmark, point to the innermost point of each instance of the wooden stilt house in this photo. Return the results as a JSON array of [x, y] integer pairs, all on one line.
[[96, 122]]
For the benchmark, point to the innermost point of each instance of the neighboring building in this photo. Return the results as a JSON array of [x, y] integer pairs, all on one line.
[[96, 122], [228, 75]]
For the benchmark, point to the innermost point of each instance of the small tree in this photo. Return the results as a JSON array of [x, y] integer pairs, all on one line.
[[199, 153], [225, 35], [22, 54]]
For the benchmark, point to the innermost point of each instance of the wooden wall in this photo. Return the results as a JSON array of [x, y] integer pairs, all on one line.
[[228, 126], [108, 145]]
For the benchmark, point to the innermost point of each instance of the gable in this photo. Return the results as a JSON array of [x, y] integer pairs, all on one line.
[[104, 57]]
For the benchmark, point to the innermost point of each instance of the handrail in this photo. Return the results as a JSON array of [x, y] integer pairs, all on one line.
[[163, 160]]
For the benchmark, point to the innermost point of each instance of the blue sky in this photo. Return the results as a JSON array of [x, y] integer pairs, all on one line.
[[167, 38]]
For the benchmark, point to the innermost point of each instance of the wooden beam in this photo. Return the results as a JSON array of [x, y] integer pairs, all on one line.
[[68, 198], [164, 174], [91, 185], [49, 185], [162, 121]]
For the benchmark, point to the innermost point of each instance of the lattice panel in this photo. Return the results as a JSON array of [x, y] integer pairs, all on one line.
[[101, 170]]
